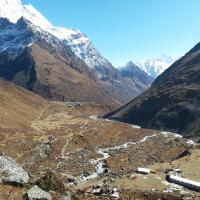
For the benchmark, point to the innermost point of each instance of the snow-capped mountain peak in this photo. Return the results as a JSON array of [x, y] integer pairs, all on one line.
[[80, 45], [130, 64], [11, 9], [34, 16], [131, 70], [155, 66], [32, 49], [78, 42]]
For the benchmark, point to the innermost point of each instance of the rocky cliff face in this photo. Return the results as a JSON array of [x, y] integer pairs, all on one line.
[[132, 71]]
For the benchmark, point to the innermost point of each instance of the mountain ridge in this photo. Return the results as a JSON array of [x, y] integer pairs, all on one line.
[[133, 71], [172, 102], [71, 47]]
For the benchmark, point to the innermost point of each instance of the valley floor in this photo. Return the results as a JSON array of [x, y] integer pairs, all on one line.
[[95, 158]]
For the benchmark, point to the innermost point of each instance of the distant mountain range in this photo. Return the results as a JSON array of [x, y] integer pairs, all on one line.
[[58, 63], [173, 101], [132, 71], [154, 67]]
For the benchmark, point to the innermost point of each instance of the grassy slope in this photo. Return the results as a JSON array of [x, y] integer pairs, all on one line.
[[18, 107]]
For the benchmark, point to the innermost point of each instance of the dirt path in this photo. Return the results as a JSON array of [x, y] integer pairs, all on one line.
[[63, 156], [35, 122]]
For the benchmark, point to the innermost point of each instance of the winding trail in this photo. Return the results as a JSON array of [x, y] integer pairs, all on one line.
[[35, 122], [63, 154], [105, 154]]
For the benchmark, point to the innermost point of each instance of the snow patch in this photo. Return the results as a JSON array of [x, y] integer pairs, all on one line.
[[136, 127], [35, 17], [11, 9]]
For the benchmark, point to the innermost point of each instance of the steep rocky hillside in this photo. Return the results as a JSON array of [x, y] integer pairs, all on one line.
[[134, 72], [32, 51], [173, 101]]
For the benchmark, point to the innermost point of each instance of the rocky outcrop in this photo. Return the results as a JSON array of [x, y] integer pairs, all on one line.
[[36, 193], [11, 172]]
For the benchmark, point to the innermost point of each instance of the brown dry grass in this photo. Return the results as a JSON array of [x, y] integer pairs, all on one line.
[[18, 107], [61, 131]]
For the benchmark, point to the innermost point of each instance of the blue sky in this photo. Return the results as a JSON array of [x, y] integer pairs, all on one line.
[[124, 30]]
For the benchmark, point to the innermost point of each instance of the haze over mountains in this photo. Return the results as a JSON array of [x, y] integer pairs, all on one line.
[[70, 68]]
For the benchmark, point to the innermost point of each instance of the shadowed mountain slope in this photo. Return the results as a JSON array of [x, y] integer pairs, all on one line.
[[173, 101]]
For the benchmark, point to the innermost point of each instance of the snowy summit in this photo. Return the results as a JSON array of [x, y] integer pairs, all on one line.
[[154, 67], [79, 43]]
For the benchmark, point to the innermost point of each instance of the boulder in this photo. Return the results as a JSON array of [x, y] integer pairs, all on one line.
[[11, 172], [36, 193]]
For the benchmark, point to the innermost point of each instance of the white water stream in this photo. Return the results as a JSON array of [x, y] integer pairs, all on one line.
[[100, 163]]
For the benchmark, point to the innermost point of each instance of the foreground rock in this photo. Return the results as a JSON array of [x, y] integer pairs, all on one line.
[[66, 196], [11, 172], [35, 193]]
